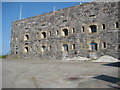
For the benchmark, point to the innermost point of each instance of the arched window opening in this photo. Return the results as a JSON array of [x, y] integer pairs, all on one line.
[[83, 29], [93, 28], [44, 34], [118, 47], [16, 49], [73, 30], [116, 25], [43, 48], [26, 49], [93, 46], [57, 32], [65, 32], [73, 46], [26, 37], [49, 33], [104, 45], [49, 48], [103, 26], [65, 47]]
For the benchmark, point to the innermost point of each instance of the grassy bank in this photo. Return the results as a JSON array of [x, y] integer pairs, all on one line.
[[3, 56]]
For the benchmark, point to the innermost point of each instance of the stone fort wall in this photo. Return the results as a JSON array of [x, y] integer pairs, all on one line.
[[87, 30]]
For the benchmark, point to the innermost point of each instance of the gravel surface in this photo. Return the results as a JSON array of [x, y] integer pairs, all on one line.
[[56, 74]]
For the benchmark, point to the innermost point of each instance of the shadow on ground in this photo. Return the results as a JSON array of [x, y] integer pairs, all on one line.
[[110, 79], [116, 64]]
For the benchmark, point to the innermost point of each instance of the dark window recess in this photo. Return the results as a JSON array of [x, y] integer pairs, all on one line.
[[93, 28], [43, 24], [118, 46], [44, 48], [103, 25], [83, 29], [65, 47], [64, 20], [91, 15], [104, 44], [26, 48], [16, 52], [16, 49], [93, 46], [57, 32], [50, 47], [27, 37], [26, 28], [26, 43], [65, 32], [73, 46], [50, 33], [117, 25], [44, 34], [73, 30]]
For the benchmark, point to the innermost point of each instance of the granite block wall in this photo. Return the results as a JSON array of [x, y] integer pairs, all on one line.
[[87, 30]]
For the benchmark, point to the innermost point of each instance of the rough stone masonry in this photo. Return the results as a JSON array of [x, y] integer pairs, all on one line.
[[87, 30]]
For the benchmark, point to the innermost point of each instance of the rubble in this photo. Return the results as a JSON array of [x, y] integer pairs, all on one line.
[[76, 59], [106, 58]]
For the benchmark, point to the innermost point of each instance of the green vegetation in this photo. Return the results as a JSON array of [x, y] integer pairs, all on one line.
[[3, 56]]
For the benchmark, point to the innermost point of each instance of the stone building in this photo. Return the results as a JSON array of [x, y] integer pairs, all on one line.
[[87, 30]]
